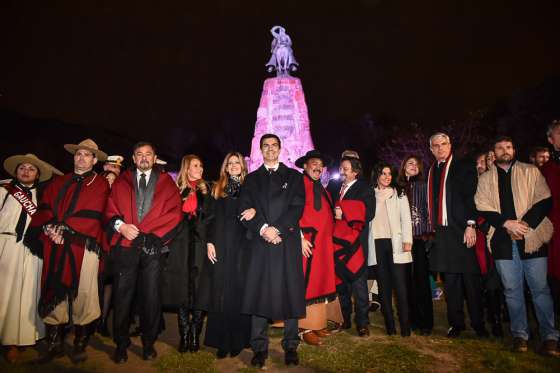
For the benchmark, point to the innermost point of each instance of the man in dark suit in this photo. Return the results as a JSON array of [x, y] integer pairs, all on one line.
[[451, 188], [275, 287], [353, 272]]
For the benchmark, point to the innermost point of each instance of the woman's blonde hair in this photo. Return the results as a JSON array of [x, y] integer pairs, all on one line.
[[182, 178], [218, 191]]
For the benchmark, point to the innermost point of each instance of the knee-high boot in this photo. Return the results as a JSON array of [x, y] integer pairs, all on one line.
[[184, 329], [55, 343], [82, 333], [196, 328]]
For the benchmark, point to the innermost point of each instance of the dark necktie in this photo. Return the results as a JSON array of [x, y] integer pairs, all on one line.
[[271, 171], [22, 220], [317, 191], [143, 182]]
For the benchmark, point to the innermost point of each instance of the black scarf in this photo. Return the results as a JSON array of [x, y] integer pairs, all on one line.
[[74, 179], [22, 220], [317, 191], [233, 185]]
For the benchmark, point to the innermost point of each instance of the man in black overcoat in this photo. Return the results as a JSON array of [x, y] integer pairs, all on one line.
[[451, 188], [275, 288]]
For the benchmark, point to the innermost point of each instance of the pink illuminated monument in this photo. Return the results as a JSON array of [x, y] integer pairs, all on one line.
[[282, 109]]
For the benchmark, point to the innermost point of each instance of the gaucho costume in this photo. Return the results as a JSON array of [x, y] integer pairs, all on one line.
[[154, 207], [75, 203]]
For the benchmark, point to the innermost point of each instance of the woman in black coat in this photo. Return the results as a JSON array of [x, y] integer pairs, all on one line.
[[223, 277], [187, 252]]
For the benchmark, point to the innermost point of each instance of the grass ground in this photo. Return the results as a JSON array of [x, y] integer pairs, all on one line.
[[343, 352]]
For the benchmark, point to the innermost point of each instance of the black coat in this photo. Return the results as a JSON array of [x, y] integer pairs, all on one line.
[[187, 251], [448, 252], [275, 286], [361, 191], [222, 283]]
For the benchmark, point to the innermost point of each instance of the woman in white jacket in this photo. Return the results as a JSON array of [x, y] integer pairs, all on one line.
[[390, 245]]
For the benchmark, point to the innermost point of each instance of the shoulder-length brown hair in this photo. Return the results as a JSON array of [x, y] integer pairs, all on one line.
[[218, 191], [401, 178], [183, 180]]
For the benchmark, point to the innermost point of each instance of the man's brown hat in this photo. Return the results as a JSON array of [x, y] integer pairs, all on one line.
[[87, 144], [44, 168]]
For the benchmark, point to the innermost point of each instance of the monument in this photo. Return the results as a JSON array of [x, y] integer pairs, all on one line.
[[282, 108]]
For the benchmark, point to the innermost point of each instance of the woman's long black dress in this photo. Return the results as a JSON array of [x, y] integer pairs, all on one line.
[[222, 283]]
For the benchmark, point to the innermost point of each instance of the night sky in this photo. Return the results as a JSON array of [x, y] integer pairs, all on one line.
[[145, 68]]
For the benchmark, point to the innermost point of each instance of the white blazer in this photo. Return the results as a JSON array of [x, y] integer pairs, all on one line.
[[401, 230]]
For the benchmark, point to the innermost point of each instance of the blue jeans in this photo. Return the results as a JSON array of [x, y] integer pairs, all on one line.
[[534, 270]]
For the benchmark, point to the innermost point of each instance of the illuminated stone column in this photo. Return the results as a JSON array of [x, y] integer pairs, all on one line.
[[283, 112]]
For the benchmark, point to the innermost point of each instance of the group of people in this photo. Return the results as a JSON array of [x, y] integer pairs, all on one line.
[[275, 246]]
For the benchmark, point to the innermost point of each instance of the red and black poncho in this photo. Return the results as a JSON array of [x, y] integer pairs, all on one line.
[[75, 202]]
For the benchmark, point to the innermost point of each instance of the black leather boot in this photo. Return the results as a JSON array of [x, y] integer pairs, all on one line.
[[196, 329], [55, 343], [82, 334], [184, 329]]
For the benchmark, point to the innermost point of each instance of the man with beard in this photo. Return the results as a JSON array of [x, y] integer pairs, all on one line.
[[451, 188], [69, 224], [539, 156], [551, 172], [143, 211], [317, 224], [275, 288], [515, 200], [354, 209]]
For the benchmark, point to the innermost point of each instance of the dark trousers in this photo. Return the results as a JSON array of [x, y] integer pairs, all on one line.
[[460, 286], [392, 276], [259, 334], [357, 288], [134, 265], [420, 298]]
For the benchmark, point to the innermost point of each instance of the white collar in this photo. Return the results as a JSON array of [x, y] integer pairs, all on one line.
[[274, 168], [147, 173], [350, 184]]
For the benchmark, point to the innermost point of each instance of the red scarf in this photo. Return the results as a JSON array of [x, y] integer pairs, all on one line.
[[191, 202]]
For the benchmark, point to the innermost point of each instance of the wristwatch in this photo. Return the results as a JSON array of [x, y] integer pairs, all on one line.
[[471, 224]]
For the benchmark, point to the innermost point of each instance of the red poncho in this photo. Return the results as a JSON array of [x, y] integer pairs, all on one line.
[[551, 172], [317, 228], [76, 202], [159, 224], [348, 251]]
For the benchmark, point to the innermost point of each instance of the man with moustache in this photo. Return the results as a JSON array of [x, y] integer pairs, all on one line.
[[275, 288], [539, 156], [354, 209], [515, 200], [68, 223], [451, 189], [317, 224], [143, 212]]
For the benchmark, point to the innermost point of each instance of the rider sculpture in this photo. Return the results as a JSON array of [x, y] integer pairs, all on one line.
[[282, 59]]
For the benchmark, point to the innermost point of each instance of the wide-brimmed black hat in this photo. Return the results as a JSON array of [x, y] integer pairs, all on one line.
[[314, 154]]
